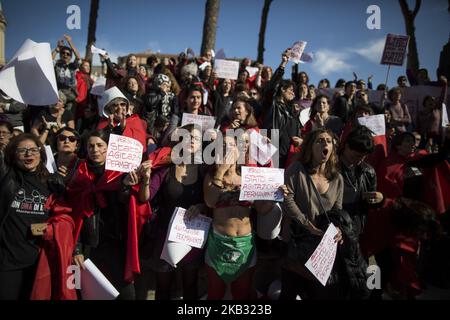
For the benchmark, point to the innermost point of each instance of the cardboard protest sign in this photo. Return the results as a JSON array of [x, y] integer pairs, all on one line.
[[124, 154], [192, 232], [205, 122], [260, 149], [94, 285], [226, 69], [322, 260], [29, 77], [394, 49], [297, 51], [261, 184]]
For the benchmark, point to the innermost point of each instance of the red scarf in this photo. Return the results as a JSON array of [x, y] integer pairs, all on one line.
[[51, 278], [84, 195]]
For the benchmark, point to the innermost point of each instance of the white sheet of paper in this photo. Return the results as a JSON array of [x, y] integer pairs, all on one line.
[[252, 71], [321, 262], [29, 77], [260, 150], [444, 116], [261, 184], [174, 252], [375, 123], [51, 163], [124, 154], [193, 232], [307, 57], [297, 51], [96, 50], [226, 69], [305, 115], [205, 122], [94, 285], [99, 86]]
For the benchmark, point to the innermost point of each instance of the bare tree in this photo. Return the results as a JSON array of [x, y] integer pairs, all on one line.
[[262, 30], [92, 28], [412, 62], [210, 25]]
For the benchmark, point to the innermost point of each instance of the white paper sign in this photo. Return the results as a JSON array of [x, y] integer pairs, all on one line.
[[444, 116], [51, 163], [99, 86], [94, 285], [375, 123], [251, 71], [260, 149], [321, 262], [305, 116], [30, 76], [205, 122], [226, 69], [124, 154], [261, 184], [193, 232], [297, 51], [96, 50]]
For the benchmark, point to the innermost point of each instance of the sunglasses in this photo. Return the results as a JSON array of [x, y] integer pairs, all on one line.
[[63, 138], [66, 53]]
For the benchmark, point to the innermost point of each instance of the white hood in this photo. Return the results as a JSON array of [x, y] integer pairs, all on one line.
[[108, 96]]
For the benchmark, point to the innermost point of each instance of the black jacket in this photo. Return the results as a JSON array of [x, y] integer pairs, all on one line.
[[279, 116]]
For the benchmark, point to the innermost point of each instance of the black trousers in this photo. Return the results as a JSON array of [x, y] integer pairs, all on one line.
[[293, 284], [17, 284], [110, 260]]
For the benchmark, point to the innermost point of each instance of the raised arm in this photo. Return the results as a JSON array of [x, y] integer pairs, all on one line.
[[72, 46]]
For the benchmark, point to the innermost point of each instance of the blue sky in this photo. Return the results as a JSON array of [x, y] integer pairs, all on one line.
[[335, 30]]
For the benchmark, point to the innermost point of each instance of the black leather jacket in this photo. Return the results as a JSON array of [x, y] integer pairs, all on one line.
[[361, 179]]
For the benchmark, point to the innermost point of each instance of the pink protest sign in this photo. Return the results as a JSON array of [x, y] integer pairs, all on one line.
[[394, 49], [124, 154]]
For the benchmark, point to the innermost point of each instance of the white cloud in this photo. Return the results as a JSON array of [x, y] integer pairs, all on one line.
[[372, 51], [331, 61]]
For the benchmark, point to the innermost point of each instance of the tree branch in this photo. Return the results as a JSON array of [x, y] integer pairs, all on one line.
[[416, 8]]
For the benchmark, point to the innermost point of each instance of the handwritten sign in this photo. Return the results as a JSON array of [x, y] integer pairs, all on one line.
[[261, 184], [375, 123], [297, 51], [192, 232], [321, 262], [226, 69], [124, 154], [394, 49], [205, 122]]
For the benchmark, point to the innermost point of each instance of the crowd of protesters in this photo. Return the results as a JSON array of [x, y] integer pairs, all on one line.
[[388, 201]]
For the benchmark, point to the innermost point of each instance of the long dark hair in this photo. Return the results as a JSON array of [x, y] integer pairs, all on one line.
[[306, 154], [316, 100], [10, 154]]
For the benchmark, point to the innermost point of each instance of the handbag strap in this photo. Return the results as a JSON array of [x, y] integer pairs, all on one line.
[[318, 198]]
